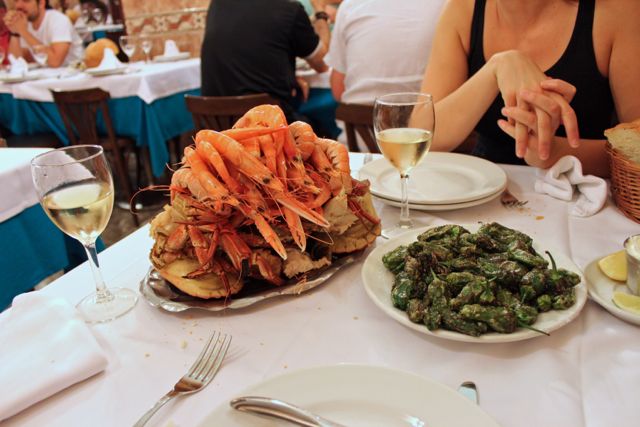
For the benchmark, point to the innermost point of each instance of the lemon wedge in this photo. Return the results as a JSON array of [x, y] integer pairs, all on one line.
[[628, 302], [614, 266]]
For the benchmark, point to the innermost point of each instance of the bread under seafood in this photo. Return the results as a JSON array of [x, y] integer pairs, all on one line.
[[264, 201]]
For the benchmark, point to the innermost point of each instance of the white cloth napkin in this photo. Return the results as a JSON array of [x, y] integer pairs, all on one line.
[[45, 348], [109, 61], [170, 48], [17, 66], [565, 177]]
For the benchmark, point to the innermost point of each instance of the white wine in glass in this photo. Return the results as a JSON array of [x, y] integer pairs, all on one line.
[[403, 125], [75, 188]]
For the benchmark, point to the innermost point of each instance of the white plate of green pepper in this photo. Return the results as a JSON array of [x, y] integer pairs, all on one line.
[[474, 283]]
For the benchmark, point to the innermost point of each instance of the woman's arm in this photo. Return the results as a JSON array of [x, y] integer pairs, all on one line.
[[621, 44], [461, 101]]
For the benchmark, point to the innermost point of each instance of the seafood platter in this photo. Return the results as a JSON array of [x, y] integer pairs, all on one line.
[[265, 208]]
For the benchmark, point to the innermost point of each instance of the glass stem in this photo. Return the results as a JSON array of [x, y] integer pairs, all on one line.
[[102, 293], [405, 220]]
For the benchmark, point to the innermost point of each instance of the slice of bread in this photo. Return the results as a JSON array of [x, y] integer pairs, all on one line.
[[625, 138]]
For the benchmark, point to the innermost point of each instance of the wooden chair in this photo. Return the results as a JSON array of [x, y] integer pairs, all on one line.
[[221, 112], [358, 120], [79, 110]]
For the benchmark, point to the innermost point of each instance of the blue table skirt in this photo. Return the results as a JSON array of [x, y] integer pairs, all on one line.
[[150, 125], [32, 248]]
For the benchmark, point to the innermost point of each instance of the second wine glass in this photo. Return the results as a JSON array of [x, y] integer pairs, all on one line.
[[403, 124], [146, 48], [75, 188]]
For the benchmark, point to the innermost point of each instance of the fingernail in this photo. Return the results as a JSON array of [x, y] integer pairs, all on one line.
[[525, 92]]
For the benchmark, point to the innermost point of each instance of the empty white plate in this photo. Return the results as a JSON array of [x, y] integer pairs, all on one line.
[[359, 395], [8, 78], [178, 57], [441, 178], [106, 72]]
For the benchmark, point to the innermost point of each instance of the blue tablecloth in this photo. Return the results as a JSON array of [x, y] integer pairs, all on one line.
[[150, 125], [320, 109], [32, 248]]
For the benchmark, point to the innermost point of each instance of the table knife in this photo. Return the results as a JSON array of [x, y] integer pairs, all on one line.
[[468, 389], [283, 410]]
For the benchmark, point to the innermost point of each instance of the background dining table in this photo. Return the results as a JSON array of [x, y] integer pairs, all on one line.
[[585, 374], [147, 103]]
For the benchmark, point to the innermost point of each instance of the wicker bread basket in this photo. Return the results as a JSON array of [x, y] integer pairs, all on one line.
[[625, 183]]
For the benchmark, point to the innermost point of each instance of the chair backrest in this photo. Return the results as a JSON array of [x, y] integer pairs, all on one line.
[[221, 112], [79, 110], [358, 119]]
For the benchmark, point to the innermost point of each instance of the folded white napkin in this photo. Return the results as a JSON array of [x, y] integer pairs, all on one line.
[[109, 61], [17, 66], [45, 348], [170, 48], [564, 177]]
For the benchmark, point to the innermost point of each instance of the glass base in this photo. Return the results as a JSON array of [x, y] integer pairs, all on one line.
[[115, 303], [401, 228]]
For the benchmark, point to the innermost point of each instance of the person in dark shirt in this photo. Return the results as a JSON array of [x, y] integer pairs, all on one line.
[[521, 69], [250, 46]]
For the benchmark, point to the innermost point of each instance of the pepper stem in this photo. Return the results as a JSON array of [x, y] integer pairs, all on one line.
[[553, 261]]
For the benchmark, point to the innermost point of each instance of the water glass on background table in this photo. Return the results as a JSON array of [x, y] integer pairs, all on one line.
[[75, 188], [147, 44], [98, 16], [128, 45], [403, 124], [40, 54]]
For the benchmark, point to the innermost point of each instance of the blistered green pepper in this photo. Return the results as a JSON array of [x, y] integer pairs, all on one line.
[[500, 319], [394, 260], [415, 310], [455, 322], [544, 302], [564, 300]]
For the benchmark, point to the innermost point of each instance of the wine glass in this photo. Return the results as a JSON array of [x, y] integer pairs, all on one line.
[[85, 14], [75, 188], [128, 45], [97, 15], [146, 47], [403, 125], [40, 54]]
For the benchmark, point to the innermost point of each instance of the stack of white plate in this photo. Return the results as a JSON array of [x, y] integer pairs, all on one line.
[[442, 181]]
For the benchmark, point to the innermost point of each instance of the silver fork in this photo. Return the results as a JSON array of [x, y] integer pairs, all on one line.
[[201, 373], [508, 200]]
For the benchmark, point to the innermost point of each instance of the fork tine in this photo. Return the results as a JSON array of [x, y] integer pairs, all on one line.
[[211, 357], [202, 357], [218, 359]]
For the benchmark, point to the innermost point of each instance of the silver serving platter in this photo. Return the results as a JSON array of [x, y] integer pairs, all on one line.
[[160, 293]]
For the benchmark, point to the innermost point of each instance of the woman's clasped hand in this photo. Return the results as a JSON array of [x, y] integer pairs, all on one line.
[[535, 105]]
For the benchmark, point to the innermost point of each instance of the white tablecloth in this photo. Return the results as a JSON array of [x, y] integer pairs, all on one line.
[[149, 82], [585, 374], [16, 187]]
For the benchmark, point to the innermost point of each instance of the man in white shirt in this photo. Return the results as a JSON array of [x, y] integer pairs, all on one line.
[[33, 28], [380, 46]]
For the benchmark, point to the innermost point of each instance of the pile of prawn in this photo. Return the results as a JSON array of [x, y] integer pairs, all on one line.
[[265, 199]]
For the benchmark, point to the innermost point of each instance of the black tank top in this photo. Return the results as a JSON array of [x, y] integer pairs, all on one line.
[[592, 103]]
